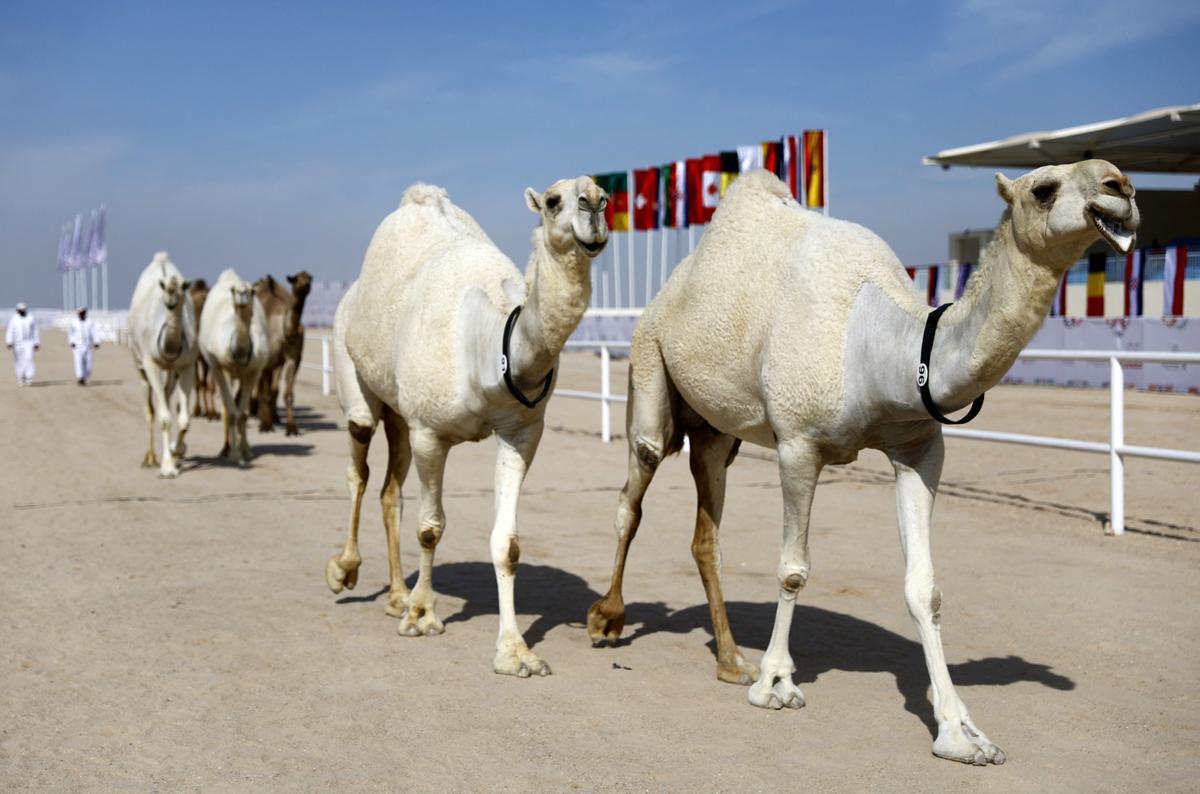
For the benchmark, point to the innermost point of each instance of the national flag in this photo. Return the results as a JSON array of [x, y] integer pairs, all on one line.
[[749, 158], [964, 275], [695, 188], [729, 169], [672, 207], [1059, 307], [772, 154], [645, 200], [912, 273], [931, 287], [710, 186], [1095, 285], [789, 164], [616, 185], [98, 250], [1174, 271], [1134, 263], [814, 168], [64, 243]]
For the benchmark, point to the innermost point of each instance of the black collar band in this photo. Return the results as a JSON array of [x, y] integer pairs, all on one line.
[[923, 375], [506, 370]]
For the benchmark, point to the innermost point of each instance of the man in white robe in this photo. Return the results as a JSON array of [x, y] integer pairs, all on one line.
[[83, 338], [22, 339]]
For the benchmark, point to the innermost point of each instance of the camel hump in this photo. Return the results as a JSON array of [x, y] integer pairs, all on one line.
[[764, 181], [427, 195], [160, 257]]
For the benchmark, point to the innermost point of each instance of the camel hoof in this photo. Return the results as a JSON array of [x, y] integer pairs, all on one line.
[[420, 622], [521, 665], [967, 745], [742, 673], [265, 428], [150, 461], [780, 694], [292, 430], [168, 474], [397, 605], [605, 621], [338, 577], [179, 449]]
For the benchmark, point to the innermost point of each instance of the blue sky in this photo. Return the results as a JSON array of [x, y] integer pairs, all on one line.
[[272, 137]]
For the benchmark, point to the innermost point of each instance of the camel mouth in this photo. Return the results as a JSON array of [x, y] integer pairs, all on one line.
[[1113, 231], [593, 248]]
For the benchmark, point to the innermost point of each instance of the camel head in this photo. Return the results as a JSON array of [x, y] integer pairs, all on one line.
[[572, 212], [1060, 210], [173, 292], [301, 284], [243, 299]]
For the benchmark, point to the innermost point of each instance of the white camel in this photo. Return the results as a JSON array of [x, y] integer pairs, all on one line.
[[233, 340], [421, 342], [800, 333], [162, 336]]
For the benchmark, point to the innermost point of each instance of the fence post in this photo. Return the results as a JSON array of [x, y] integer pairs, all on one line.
[[326, 368], [605, 419], [1117, 439]]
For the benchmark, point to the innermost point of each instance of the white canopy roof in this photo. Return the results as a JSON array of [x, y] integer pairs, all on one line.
[[1164, 140]]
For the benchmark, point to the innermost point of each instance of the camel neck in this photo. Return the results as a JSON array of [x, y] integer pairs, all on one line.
[[1005, 303], [558, 287], [170, 339], [240, 346]]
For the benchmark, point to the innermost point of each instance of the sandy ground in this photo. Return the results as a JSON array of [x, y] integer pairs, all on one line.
[[179, 635]]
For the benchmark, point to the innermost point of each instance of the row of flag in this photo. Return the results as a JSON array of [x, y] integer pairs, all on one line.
[[1174, 272], [686, 192], [77, 250]]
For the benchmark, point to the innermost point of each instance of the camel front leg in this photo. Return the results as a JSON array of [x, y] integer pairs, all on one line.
[[227, 410], [429, 451], [799, 468], [711, 454], [243, 415], [186, 387], [918, 470], [162, 409], [150, 459], [289, 392], [514, 454]]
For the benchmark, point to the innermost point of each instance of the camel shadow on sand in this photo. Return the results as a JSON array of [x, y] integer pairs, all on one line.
[[195, 462], [822, 640]]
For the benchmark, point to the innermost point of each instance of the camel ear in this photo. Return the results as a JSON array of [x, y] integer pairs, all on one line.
[[291, 279], [1004, 187], [186, 286], [533, 200], [162, 285]]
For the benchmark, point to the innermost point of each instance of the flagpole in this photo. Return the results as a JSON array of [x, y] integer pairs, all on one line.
[[691, 238], [616, 274], [662, 262], [629, 240], [649, 264], [104, 283], [825, 166]]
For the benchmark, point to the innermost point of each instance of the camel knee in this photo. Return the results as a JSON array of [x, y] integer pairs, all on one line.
[[506, 553], [356, 477], [430, 534], [649, 454], [706, 551], [924, 599], [792, 578]]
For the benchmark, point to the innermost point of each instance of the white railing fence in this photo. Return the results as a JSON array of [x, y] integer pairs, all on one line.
[[1116, 448]]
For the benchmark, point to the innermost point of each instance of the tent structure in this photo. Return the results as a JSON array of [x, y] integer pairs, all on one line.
[[1166, 140]]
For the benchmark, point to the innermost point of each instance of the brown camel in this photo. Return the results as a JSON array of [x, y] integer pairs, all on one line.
[[205, 391], [285, 337]]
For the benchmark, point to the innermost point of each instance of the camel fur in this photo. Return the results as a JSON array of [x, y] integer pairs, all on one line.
[[162, 337], [205, 390], [801, 333], [285, 342], [417, 345], [233, 340]]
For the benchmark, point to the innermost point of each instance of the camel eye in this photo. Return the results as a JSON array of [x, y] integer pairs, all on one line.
[[1113, 185], [552, 202], [1044, 193]]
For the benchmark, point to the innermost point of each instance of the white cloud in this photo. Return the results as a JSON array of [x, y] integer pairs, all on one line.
[[618, 64]]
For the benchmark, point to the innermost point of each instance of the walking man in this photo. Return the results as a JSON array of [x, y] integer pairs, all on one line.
[[22, 339], [83, 339]]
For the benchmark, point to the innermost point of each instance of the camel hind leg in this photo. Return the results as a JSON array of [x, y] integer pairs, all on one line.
[[392, 502], [652, 432], [342, 569], [290, 365], [712, 453], [150, 459]]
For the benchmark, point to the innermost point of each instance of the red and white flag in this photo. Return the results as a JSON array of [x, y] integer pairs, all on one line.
[[931, 287], [1173, 274], [1133, 282], [790, 150], [645, 199], [711, 184], [695, 189]]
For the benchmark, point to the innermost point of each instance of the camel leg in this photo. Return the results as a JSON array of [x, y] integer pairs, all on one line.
[[650, 428], [918, 469], [273, 396], [150, 459], [243, 415], [263, 398], [342, 569], [514, 454], [429, 452], [799, 468], [289, 387], [392, 502], [711, 454], [227, 410], [185, 386], [162, 409]]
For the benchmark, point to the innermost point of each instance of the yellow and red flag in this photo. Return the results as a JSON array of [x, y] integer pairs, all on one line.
[[814, 168]]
